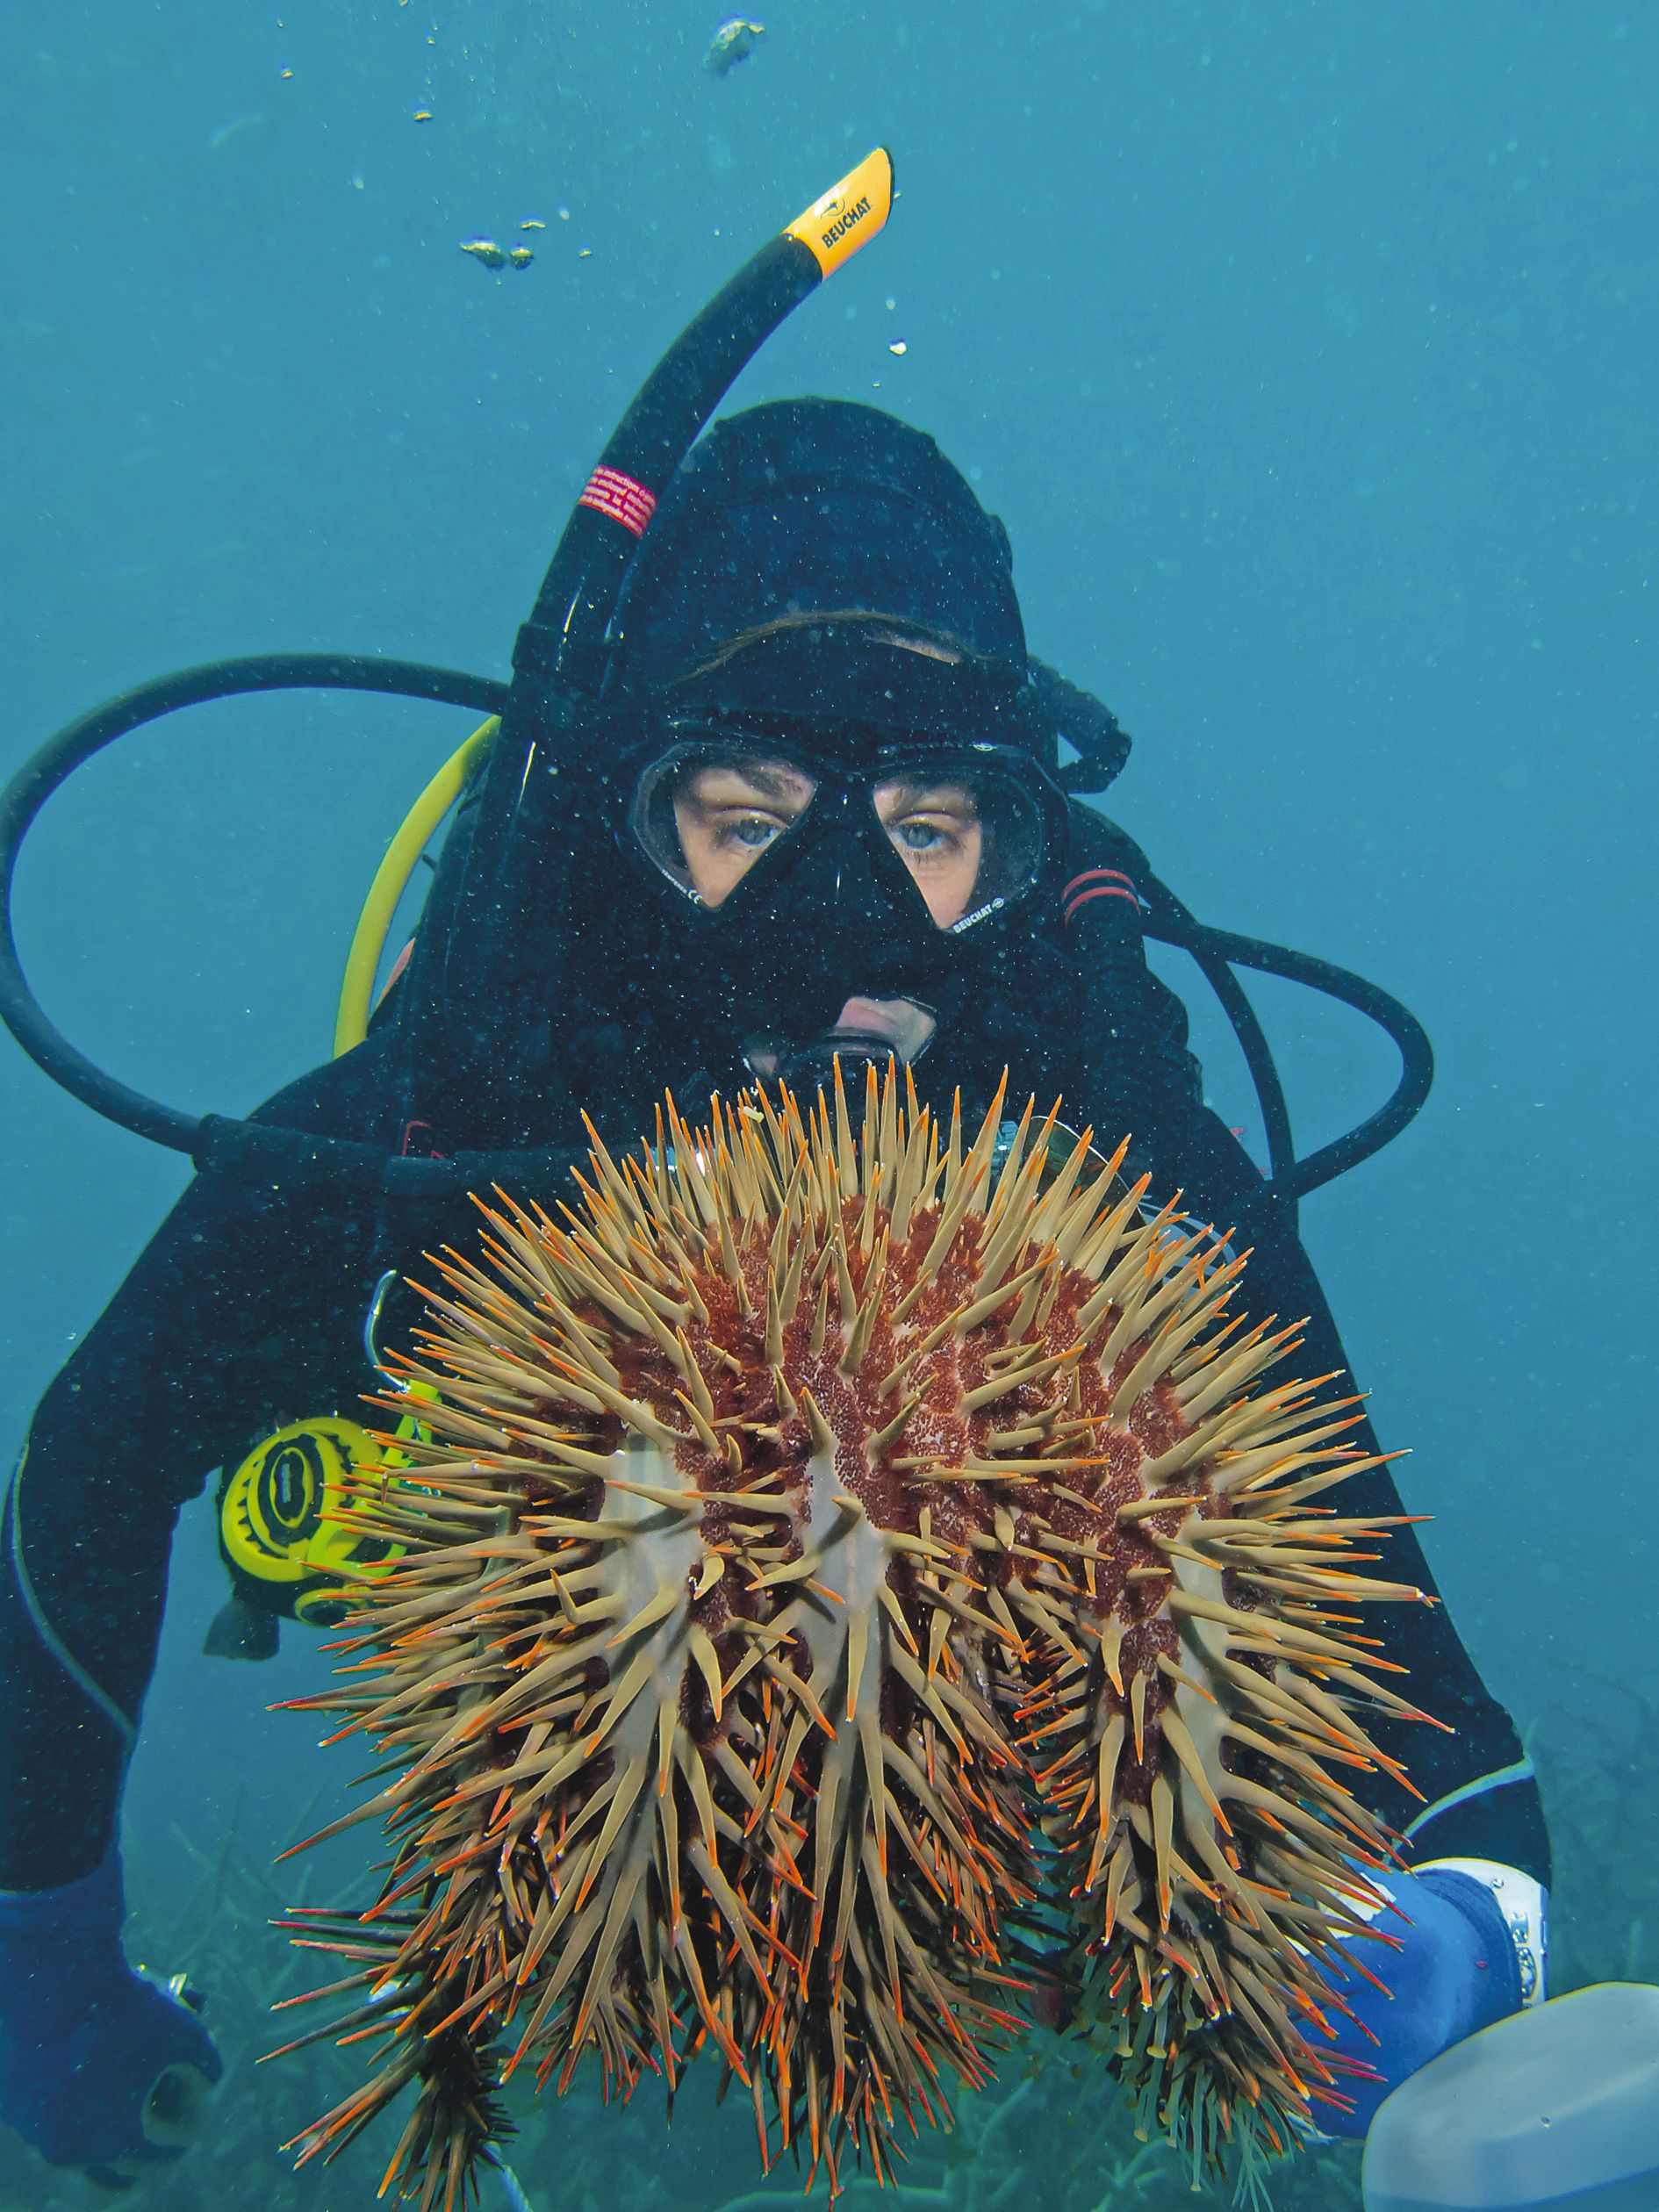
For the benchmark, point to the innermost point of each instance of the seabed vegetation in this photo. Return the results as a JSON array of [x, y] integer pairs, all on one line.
[[1051, 2122]]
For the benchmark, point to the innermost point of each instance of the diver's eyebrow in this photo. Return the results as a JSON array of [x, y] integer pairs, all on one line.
[[771, 783], [903, 793]]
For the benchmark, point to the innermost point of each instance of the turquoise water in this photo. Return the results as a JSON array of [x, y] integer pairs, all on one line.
[[1306, 351]]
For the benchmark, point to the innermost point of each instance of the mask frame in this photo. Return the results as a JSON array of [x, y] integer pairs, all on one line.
[[847, 763]]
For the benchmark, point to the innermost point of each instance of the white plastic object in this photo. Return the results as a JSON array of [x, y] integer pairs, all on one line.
[[1558, 2104]]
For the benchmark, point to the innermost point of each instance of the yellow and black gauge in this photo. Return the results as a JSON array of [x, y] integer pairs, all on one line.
[[297, 1525]]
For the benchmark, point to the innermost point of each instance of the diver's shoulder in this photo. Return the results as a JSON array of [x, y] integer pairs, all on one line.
[[351, 1096]]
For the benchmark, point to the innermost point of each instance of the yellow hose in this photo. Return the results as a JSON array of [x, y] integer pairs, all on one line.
[[368, 940]]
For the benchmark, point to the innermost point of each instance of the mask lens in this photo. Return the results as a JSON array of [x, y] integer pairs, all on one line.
[[704, 813], [972, 831], [973, 836]]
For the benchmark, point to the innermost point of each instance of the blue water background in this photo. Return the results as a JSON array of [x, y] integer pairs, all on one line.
[[1306, 349]]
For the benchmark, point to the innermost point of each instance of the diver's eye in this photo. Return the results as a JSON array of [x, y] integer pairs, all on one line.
[[727, 813], [753, 830], [935, 829]]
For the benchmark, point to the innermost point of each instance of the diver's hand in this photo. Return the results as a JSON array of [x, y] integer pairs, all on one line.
[[1464, 1949], [100, 2068]]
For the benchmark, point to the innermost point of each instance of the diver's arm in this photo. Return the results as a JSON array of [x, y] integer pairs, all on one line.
[[100, 2067], [122, 1435], [237, 1283], [1480, 1800], [250, 1295], [1479, 1797]]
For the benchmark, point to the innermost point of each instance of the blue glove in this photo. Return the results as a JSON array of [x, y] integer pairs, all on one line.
[[99, 2067], [1451, 1964]]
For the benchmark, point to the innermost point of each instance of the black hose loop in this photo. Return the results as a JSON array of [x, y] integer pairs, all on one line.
[[78, 742], [1218, 952]]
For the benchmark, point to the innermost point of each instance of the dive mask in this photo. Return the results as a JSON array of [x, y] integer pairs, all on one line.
[[972, 828], [813, 866]]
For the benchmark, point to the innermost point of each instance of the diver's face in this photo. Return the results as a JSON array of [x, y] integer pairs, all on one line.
[[728, 813]]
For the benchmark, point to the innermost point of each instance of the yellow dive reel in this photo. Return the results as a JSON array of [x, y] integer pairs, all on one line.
[[296, 1532]]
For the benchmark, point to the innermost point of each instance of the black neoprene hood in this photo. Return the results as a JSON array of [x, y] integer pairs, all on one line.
[[805, 506]]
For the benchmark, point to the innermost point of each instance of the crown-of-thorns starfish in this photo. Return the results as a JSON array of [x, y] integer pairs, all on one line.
[[823, 1544]]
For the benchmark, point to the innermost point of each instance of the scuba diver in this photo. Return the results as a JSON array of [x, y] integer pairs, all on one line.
[[777, 781]]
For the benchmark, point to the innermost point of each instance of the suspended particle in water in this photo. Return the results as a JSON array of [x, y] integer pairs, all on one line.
[[732, 43]]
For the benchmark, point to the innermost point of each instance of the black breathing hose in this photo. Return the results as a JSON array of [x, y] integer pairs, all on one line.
[[71, 747], [1217, 953]]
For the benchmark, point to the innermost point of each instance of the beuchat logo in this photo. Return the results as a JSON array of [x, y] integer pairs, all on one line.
[[843, 224]]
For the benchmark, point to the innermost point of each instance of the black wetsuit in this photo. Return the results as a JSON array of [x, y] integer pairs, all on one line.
[[247, 1311]]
